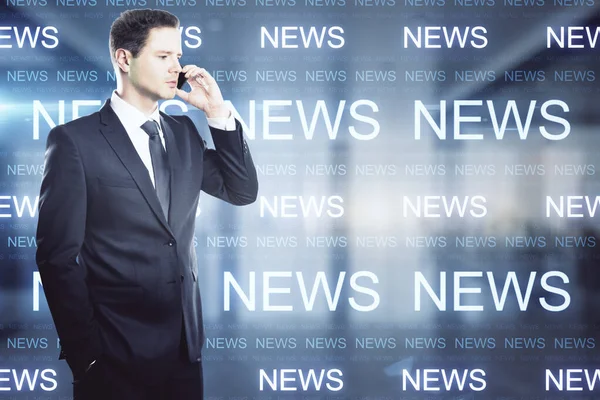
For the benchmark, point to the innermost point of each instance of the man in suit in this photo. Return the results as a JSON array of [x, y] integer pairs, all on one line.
[[117, 211]]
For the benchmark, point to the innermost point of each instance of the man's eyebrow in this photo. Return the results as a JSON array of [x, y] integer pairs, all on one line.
[[168, 52]]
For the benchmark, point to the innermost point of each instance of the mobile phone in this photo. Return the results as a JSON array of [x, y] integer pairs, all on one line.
[[181, 80]]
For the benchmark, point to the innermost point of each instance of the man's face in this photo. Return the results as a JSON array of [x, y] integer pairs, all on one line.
[[155, 70]]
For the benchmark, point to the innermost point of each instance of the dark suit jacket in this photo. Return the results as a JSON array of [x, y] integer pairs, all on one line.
[[116, 275]]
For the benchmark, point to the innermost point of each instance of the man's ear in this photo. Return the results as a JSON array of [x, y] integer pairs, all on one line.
[[123, 58]]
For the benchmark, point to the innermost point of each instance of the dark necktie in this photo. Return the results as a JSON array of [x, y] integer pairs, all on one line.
[[160, 165]]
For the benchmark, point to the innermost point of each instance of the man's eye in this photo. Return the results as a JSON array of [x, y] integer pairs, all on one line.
[[163, 57]]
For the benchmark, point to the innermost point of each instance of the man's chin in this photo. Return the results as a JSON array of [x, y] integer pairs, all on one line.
[[168, 95]]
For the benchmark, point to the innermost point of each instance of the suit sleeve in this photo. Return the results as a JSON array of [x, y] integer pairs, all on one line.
[[229, 172], [60, 234]]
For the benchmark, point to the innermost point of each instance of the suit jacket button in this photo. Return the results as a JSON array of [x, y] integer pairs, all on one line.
[[171, 243]]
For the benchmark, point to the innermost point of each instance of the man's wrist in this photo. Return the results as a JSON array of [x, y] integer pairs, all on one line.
[[219, 111]]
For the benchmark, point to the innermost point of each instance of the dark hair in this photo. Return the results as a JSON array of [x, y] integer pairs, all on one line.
[[130, 31]]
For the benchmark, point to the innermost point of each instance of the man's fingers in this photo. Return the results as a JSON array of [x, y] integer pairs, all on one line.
[[183, 94], [192, 72], [186, 68], [197, 74]]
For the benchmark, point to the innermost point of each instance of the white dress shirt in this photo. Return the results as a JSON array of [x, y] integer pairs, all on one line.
[[133, 119]]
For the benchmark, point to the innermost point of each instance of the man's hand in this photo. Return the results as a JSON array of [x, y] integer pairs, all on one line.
[[205, 93]]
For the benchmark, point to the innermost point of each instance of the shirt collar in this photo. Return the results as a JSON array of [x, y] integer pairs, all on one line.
[[131, 117]]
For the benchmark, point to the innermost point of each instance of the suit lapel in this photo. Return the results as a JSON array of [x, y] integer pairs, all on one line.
[[117, 137]]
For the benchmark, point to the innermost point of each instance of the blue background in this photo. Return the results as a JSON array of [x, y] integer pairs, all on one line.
[[519, 231]]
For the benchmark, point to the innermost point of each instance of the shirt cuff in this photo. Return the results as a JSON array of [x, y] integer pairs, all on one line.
[[224, 124]]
